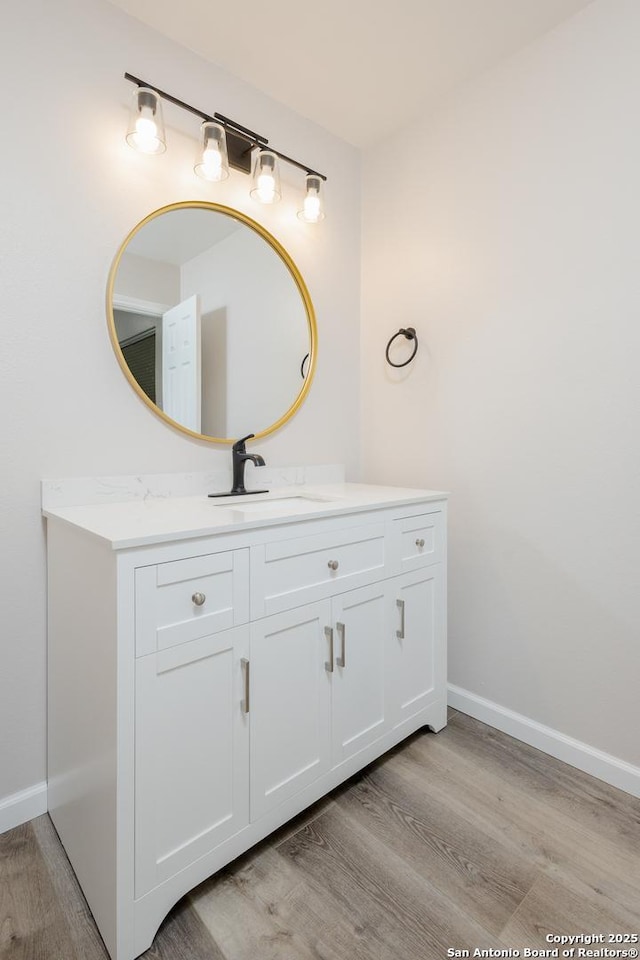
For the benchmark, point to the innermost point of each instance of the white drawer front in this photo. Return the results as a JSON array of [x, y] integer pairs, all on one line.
[[186, 599], [417, 541], [288, 573]]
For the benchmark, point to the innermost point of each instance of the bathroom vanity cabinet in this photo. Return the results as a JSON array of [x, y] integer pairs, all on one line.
[[214, 670]]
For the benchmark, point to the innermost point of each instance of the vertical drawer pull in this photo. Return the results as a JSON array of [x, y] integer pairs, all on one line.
[[244, 663], [333, 564], [400, 632], [198, 599], [342, 661], [328, 664], [420, 542]]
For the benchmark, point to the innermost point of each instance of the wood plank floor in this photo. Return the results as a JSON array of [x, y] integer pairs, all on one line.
[[458, 840]]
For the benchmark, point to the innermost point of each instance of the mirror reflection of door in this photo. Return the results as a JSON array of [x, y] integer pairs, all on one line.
[[181, 373], [163, 350], [235, 368]]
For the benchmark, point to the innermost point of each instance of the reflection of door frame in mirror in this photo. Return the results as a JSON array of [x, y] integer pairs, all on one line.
[[182, 386], [145, 308], [129, 303], [132, 305]]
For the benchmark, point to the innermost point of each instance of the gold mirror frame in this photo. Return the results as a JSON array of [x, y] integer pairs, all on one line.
[[293, 270]]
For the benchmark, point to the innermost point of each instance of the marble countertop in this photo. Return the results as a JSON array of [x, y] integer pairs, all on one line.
[[137, 523]]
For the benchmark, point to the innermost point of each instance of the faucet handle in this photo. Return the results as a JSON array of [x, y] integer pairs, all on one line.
[[239, 447]]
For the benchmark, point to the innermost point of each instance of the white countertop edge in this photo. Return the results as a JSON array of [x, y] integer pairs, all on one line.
[[139, 523]]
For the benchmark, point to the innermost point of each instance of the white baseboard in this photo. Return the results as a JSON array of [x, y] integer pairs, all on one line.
[[23, 806], [606, 767]]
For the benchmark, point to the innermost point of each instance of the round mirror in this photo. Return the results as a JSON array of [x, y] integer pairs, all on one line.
[[211, 322]]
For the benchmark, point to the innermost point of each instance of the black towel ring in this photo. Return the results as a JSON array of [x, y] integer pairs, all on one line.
[[409, 334]]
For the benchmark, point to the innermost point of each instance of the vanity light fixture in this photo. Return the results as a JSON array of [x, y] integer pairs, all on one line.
[[266, 178], [212, 163], [312, 208], [146, 126], [224, 143]]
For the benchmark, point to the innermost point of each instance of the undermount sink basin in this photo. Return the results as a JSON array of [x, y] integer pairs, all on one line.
[[298, 503], [284, 503]]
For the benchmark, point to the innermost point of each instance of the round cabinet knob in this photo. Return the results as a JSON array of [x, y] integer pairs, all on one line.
[[420, 542], [333, 564], [198, 599]]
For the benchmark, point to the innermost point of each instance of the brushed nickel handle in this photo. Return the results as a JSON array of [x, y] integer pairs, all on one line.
[[198, 599], [244, 663], [328, 664], [400, 632], [333, 564], [342, 661], [420, 542]]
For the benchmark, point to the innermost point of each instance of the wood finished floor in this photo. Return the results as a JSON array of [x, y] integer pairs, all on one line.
[[462, 839]]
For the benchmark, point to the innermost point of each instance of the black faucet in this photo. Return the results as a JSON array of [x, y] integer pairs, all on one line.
[[239, 457]]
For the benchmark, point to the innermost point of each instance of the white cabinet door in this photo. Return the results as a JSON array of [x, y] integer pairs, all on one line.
[[361, 625], [290, 704], [417, 666], [192, 753]]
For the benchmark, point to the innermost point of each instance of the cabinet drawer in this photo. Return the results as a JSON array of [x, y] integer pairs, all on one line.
[[167, 595], [417, 541], [288, 573]]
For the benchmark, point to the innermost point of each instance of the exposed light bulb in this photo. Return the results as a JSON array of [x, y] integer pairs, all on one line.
[[146, 135], [146, 127], [266, 178], [212, 163], [311, 208], [266, 188], [312, 211]]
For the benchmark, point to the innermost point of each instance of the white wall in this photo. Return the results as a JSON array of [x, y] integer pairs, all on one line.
[[213, 357], [146, 279], [505, 229], [266, 329], [72, 190]]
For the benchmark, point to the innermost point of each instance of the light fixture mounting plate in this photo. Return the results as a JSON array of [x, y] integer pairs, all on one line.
[[239, 152]]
